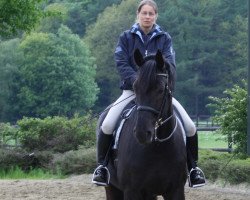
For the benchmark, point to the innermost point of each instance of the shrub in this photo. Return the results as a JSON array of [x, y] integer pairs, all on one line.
[[8, 133], [238, 171], [58, 134], [12, 158], [75, 162], [225, 166], [231, 115]]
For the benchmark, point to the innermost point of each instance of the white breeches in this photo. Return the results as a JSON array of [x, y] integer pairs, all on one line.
[[108, 125], [188, 124]]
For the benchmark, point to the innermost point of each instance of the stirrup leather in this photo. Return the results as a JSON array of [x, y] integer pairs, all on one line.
[[101, 167]]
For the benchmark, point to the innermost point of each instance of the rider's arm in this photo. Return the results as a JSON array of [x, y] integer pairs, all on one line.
[[169, 55], [126, 71]]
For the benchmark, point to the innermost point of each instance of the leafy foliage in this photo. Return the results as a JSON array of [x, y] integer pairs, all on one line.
[[51, 23], [19, 15], [8, 133], [208, 37], [231, 114], [75, 162], [224, 166], [80, 14], [22, 161], [56, 76], [101, 38], [10, 55], [58, 134], [204, 39]]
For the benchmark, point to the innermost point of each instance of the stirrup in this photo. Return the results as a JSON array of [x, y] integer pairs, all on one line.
[[106, 183], [201, 174]]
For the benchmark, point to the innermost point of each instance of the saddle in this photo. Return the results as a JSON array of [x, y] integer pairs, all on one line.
[[126, 113], [124, 116]]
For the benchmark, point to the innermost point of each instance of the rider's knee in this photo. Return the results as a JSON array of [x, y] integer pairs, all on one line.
[[190, 130], [107, 129]]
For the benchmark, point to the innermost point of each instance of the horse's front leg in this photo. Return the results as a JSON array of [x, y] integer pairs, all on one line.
[[153, 197], [177, 194], [136, 195], [133, 195], [112, 193]]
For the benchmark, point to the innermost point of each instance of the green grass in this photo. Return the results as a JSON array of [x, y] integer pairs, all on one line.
[[17, 173], [209, 139]]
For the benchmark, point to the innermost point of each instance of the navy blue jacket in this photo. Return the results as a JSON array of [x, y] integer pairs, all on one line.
[[134, 38]]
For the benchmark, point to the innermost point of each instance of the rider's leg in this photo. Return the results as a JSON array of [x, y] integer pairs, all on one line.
[[108, 125], [101, 173], [196, 176], [105, 136]]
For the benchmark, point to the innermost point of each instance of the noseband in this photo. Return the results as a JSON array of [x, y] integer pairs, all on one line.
[[159, 122]]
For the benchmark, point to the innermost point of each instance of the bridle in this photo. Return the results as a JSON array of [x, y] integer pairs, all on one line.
[[159, 122]]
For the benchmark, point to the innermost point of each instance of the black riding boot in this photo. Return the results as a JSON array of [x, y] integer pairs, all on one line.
[[101, 174], [196, 175]]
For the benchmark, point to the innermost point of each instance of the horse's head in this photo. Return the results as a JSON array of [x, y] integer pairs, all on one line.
[[153, 95]]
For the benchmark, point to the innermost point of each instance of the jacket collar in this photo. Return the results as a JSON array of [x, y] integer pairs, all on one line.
[[156, 30]]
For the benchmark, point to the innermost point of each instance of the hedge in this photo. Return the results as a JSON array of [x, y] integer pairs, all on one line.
[[216, 165]]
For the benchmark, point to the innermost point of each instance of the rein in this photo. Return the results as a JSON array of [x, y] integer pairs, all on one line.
[[159, 122]]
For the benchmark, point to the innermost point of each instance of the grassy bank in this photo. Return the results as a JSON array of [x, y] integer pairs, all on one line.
[[211, 139], [17, 173]]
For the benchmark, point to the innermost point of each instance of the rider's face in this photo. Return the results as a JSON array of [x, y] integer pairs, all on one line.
[[146, 17]]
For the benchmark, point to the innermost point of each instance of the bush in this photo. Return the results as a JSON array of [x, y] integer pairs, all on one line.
[[231, 115], [225, 166], [216, 165], [238, 171], [58, 134], [8, 133], [75, 162], [12, 158]]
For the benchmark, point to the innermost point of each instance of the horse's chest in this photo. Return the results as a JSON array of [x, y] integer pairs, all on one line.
[[147, 172], [154, 181]]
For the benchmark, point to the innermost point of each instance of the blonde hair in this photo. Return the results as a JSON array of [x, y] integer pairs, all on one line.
[[147, 2]]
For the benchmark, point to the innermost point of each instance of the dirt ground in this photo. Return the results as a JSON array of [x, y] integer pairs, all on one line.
[[79, 187]]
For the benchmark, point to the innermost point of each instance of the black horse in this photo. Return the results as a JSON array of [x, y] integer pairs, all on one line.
[[152, 153]]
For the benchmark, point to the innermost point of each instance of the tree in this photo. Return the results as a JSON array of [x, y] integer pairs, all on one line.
[[231, 114], [82, 13], [207, 48], [10, 57], [56, 77], [19, 15], [209, 37], [51, 23], [102, 37]]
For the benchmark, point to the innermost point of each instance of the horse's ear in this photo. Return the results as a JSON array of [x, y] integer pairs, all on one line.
[[139, 61], [160, 60]]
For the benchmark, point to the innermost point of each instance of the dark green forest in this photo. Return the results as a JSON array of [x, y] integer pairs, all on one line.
[[63, 63]]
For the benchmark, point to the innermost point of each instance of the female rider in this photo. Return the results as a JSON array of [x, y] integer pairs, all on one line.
[[148, 37]]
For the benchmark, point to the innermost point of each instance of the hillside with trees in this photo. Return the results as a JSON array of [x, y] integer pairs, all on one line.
[[64, 63]]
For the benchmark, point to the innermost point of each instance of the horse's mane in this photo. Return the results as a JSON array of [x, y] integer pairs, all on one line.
[[147, 75]]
